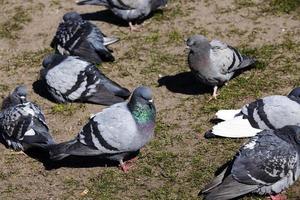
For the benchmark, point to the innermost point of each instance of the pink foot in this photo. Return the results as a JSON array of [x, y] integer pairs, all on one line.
[[125, 166], [134, 28], [278, 197]]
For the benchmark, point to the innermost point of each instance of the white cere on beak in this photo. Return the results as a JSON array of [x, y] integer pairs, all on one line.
[[151, 100]]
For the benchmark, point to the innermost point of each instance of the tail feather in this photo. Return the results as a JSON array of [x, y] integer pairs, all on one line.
[[227, 114], [229, 189], [110, 40], [105, 55], [247, 61], [93, 2], [60, 151], [215, 182], [235, 128], [110, 94]]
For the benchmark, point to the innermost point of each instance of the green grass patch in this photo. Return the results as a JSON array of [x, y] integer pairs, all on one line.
[[66, 109]]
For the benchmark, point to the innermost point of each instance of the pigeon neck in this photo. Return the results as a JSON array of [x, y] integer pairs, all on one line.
[[143, 113], [12, 101], [200, 56]]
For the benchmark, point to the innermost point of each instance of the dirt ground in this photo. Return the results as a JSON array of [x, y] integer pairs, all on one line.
[[178, 162]]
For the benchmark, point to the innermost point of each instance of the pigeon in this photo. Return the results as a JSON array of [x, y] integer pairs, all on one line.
[[128, 10], [214, 63], [70, 78], [271, 112], [78, 37], [114, 133], [22, 123], [267, 164]]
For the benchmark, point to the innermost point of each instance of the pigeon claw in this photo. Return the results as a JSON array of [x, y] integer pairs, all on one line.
[[134, 28], [125, 166], [278, 197]]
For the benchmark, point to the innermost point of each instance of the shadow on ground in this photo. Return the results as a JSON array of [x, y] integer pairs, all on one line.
[[39, 87], [109, 17], [184, 83], [105, 16], [73, 161]]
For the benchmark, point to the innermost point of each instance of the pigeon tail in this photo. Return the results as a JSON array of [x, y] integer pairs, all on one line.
[[227, 114], [214, 183], [247, 61], [59, 151], [105, 56], [229, 189], [114, 93], [93, 2], [235, 128]]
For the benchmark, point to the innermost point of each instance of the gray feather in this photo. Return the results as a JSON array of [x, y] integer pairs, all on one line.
[[214, 63], [23, 126], [267, 164], [229, 189], [101, 136], [129, 10], [78, 37], [73, 79]]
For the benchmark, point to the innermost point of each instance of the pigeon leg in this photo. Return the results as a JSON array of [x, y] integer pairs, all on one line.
[[125, 166], [134, 27], [215, 94], [278, 197]]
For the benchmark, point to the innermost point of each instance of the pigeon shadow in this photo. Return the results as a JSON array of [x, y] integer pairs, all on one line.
[[105, 16], [42, 156], [109, 17], [39, 87], [184, 83]]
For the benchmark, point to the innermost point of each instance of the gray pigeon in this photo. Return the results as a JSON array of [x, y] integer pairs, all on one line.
[[128, 10], [114, 133], [268, 164], [272, 112], [214, 63], [22, 123], [70, 78], [78, 37]]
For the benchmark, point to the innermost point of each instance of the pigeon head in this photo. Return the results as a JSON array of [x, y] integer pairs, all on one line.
[[72, 16], [52, 60], [158, 3], [295, 93], [20, 93], [198, 42], [143, 93], [18, 96], [141, 105]]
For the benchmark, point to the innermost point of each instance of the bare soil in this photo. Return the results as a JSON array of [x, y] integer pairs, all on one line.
[[179, 161]]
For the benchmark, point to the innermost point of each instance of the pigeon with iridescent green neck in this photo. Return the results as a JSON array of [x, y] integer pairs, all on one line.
[[116, 132]]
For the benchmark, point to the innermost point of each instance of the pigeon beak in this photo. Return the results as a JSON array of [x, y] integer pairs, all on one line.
[[23, 98], [151, 100]]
